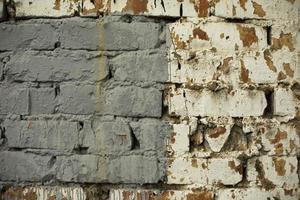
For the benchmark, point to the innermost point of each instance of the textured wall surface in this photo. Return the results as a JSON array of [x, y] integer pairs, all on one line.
[[149, 99]]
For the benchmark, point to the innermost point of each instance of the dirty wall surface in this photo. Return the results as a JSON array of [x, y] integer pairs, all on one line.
[[149, 99]]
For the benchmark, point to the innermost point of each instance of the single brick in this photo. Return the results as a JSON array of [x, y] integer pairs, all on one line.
[[257, 9], [82, 168], [217, 36], [81, 99], [136, 194], [281, 140], [104, 137], [239, 103], [78, 33], [150, 134], [202, 171], [270, 172], [217, 136], [179, 141], [134, 169], [118, 100], [109, 35], [140, 66], [169, 8], [14, 100], [267, 67], [202, 67], [42, 100], [284, 102], [52, 135], [132, 101], [257, 193], [29, 36], [46, 8], [130, 36], [20, 166], [57, 66]]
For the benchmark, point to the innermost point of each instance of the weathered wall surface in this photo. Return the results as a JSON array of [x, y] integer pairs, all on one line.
[[149, 99]]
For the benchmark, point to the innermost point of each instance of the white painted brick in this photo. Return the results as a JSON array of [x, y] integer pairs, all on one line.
[[257, 193], [216, 137], [203, 171], [273, 171], [276, 9], [284, 102], [94, 8], [281, 140], [179, 142], [269, 67], [239, 103], [125, 194], [171, 8], [49, 8], [218, 35], [256, 67]]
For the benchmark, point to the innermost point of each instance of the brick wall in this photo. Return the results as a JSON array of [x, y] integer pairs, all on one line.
[[149, 99]]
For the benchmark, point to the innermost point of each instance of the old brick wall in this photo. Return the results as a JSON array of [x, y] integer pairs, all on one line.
[[149, 99]]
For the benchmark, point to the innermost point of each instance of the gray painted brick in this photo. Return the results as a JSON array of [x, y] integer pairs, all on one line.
[[27, 36], [57, 66], [14, 100], [119, 100], [54, 135], [20, 166], [80, 33], [141, 66], [84, 34], [132, 101], [131, 36], [107, 137], [82, 168], [151, 134], [134, 169], [42, 100], [77, 99]]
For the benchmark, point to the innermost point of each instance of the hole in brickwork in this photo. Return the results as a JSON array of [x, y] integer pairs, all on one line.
[[163, 5], [183, 93], [3, 138], [296, 90], [237, 140], [51, 162], [57, 90], [269, 35], [231, 20], [179, 65], [80, 149], [21, 117], [180, 10], [57, 45], [268, 112], [135, 142], [80, 125]]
